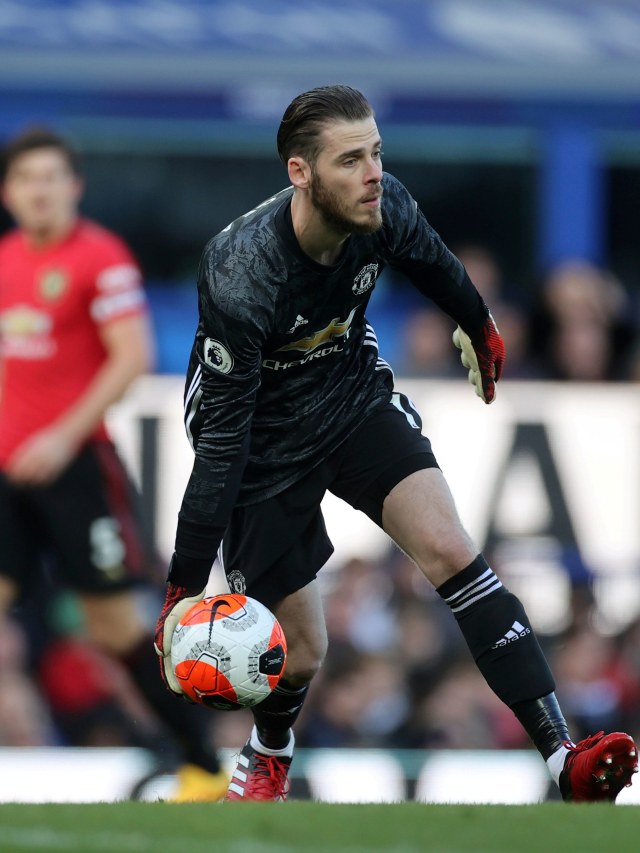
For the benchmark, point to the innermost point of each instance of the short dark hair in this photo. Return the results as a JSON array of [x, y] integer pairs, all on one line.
[[308, 114], [32, 139]]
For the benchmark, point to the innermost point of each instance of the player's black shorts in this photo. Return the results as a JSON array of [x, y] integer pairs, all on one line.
[[85, 526], [273, 548]]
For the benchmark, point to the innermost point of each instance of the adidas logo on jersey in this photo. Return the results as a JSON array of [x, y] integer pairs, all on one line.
[[300, 321], [515, 632]]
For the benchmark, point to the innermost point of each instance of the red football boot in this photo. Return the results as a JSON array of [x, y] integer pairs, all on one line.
[[259, 777], [598, 768]]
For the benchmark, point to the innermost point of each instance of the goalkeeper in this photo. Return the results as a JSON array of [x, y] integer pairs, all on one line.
[[287, 397]]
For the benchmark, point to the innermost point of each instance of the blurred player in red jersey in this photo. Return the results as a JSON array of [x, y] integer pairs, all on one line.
[[74, 334]]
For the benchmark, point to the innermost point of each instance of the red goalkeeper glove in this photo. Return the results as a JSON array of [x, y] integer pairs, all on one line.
[[483, 355], [178, 600]]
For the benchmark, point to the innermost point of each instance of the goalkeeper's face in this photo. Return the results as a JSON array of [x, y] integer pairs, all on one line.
[[41, 192], [346, 179]]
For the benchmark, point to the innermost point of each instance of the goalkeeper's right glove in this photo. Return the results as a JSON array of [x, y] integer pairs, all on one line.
[[483, 355], [177, 601]]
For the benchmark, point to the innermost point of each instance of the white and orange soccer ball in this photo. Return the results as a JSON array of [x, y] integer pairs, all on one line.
[[228, 652]]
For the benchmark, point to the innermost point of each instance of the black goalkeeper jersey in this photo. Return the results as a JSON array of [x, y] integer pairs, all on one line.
[[284, 364]]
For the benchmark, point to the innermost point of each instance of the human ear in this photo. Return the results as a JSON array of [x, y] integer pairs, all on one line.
[[299, 172]]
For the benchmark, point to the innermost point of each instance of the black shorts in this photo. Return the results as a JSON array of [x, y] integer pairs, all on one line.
[[86, 526], [273, 548]]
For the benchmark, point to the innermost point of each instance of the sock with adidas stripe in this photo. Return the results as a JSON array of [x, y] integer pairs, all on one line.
[[500, 637]]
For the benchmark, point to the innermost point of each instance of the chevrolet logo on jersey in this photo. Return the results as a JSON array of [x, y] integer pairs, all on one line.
[[314, 346], [336, 329]]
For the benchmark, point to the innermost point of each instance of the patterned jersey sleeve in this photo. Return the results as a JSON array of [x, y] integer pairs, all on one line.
[[116, 280], [419, 252], [220, 397]]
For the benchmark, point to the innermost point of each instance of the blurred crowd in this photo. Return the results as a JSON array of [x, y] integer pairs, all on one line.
[[397, 674], [579, 323]]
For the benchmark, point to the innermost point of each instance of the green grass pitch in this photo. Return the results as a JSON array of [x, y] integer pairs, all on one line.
[[298, 827]]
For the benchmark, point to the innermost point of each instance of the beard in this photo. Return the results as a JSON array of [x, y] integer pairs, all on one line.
[[334, 211]]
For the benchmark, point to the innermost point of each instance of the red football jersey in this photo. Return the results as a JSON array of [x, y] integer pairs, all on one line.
[[53, 301]]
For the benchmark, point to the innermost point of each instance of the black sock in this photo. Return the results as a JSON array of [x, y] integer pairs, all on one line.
[[189, 724], [506, 650], [544, 722], [276, 715]]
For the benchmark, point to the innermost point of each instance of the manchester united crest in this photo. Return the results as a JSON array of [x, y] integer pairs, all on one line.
[[365, 279], [53, 284], [237, 582]]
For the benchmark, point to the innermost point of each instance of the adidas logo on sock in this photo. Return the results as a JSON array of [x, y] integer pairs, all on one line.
[[515, 632]]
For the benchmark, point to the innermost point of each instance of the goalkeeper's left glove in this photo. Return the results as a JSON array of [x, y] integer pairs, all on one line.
[[483, 355], [178, 600]]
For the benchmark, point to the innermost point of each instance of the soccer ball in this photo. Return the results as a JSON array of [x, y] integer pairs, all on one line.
[[228, 652]]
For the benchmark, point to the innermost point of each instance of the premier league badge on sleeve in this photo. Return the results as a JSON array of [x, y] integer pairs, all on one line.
[[217, 356]]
